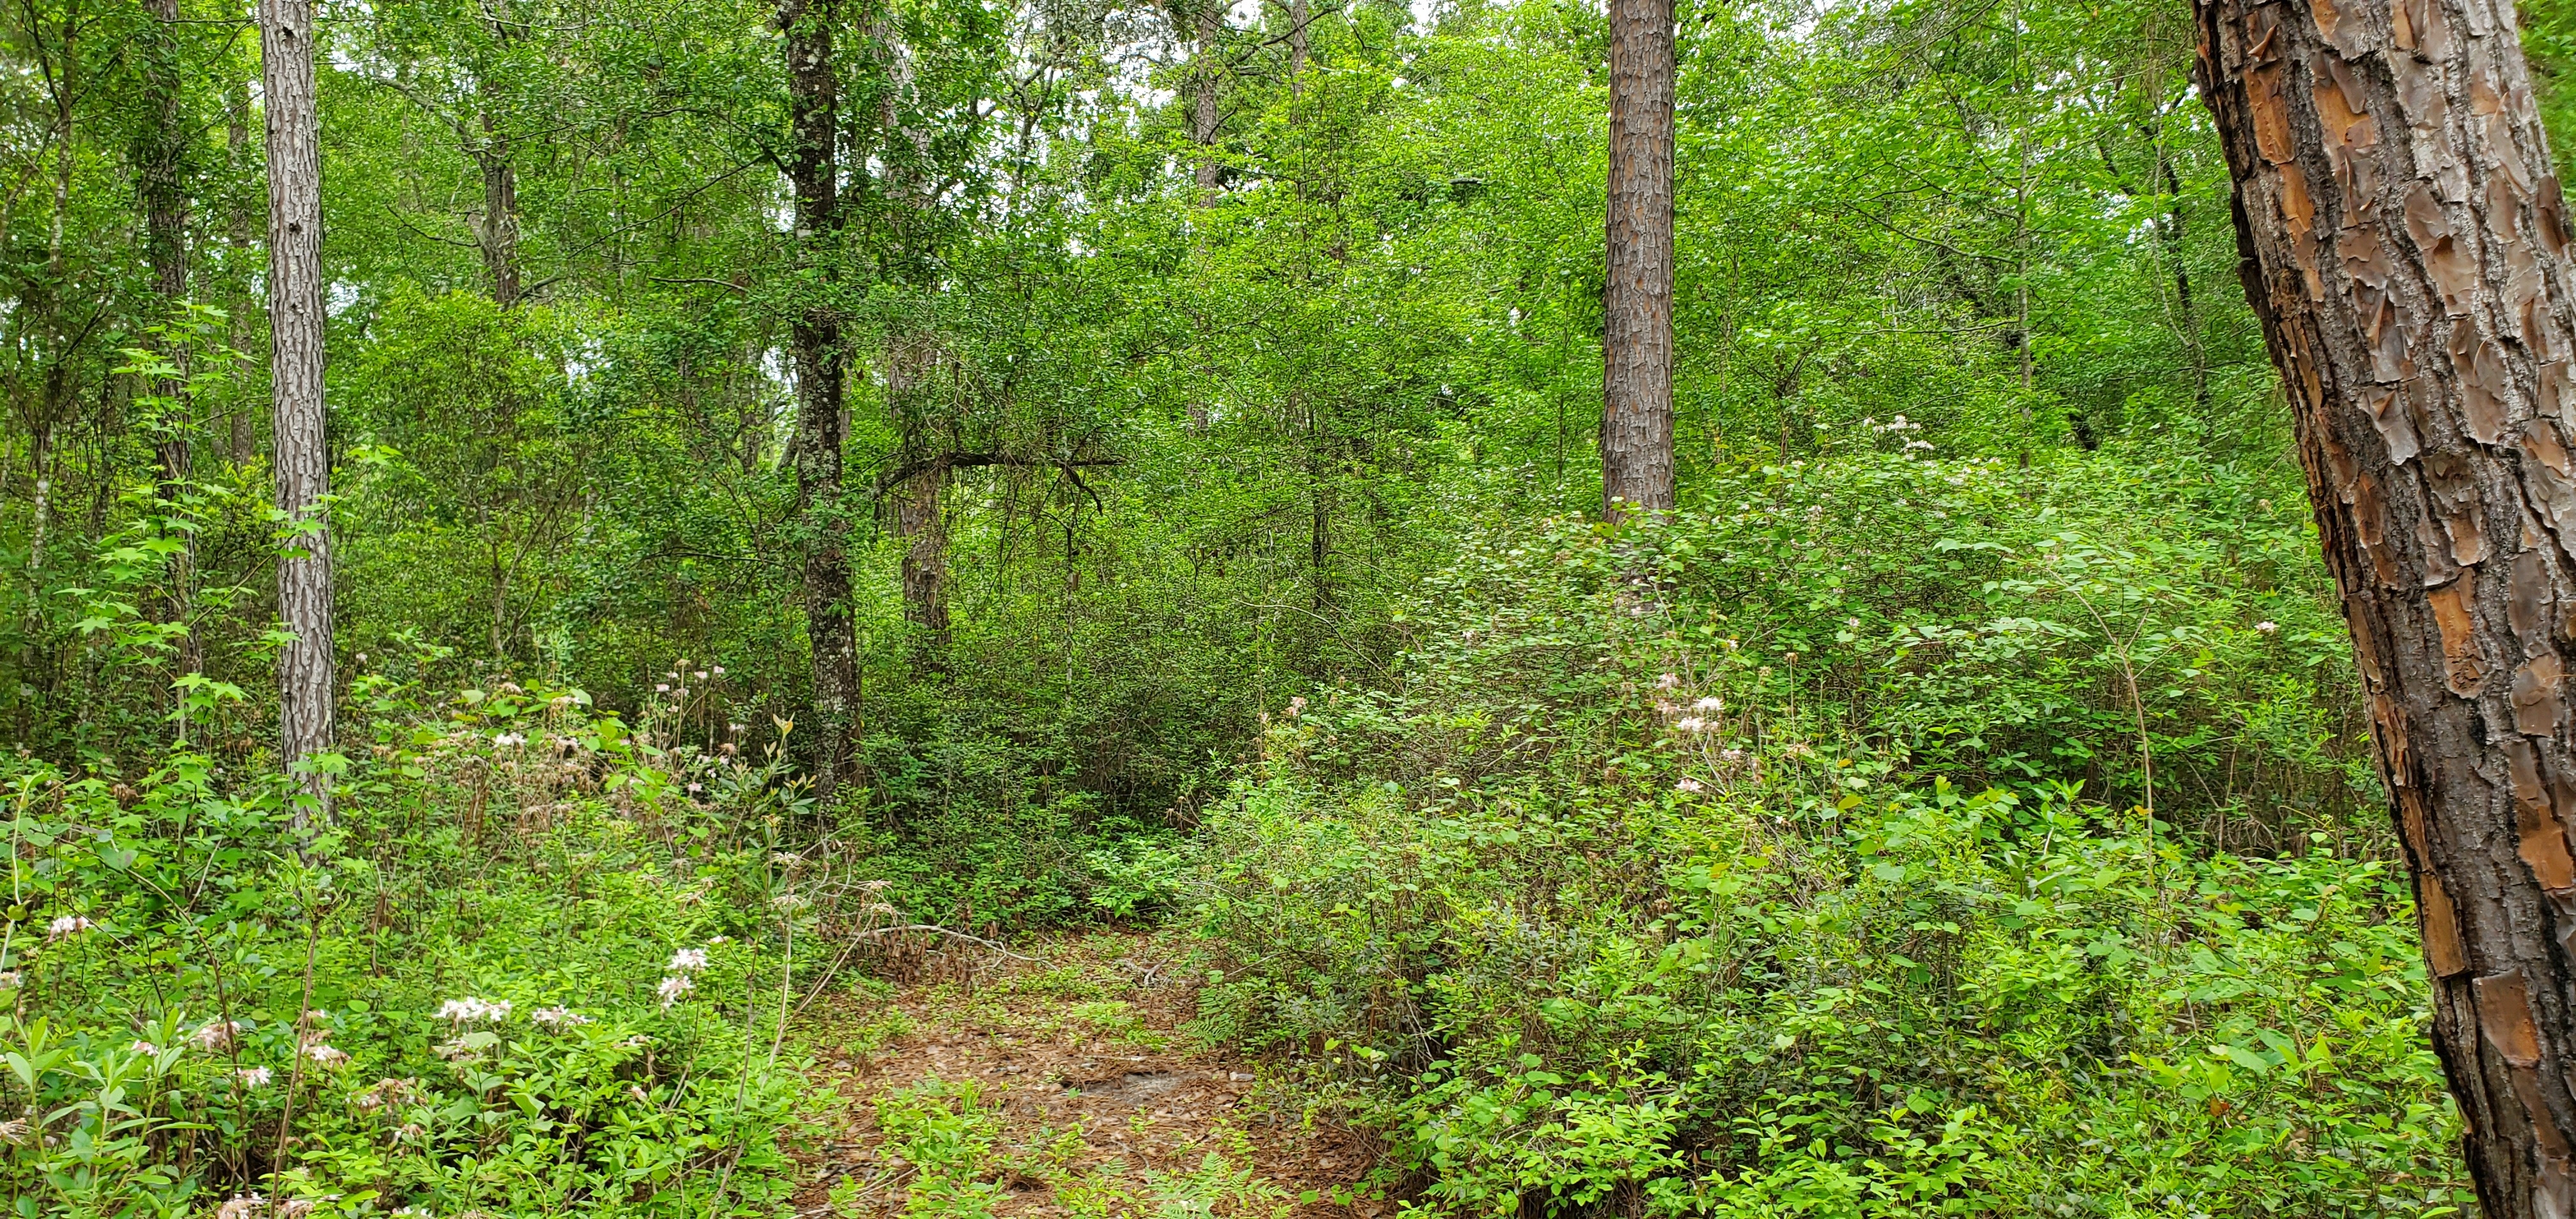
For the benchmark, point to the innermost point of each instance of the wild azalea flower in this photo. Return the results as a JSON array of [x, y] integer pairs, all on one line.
[[672, 988]]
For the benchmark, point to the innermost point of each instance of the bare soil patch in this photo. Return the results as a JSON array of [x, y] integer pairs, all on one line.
[[1080, 1092]]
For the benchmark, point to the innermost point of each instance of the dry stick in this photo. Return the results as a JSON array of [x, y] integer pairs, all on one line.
[[295, 1073]]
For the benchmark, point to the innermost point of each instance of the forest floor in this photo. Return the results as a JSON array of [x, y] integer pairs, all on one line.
[[1064, 1081]]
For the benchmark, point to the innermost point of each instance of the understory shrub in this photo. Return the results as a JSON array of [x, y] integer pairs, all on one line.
[[1642, 887]]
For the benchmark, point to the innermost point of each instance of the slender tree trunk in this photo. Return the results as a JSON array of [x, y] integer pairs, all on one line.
[[815, 336], [499, 235], [1296, 48], [1204, 71], [165, 243], [295, 311], [500, 229], [2170, 233], [912, 356], [1637, 300], [918, 511], [244, 441], [2404, 241]]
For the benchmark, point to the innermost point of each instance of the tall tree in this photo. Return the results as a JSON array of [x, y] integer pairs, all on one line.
[[498, 230], [161, 167], [302, 456], [1637, 299], [815, 340], [2404, 242]]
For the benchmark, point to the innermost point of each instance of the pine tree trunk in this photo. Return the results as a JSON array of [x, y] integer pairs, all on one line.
[[165, 226], [295, 310], [1203, 110], [1637, 300], [2404, 242], [815, 337]]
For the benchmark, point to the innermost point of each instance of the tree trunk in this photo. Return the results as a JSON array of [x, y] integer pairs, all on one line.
[[1637, 300], [1296, 48], [918, 512], [500, 229], [303, 461], [499, 235], [2404, 242], [815, 336], [1204, 70], [165, 243], [243, 443]]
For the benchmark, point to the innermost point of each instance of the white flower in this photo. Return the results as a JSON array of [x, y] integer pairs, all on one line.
[[1668, 681], [329, 1056], [255, 1077], [470, 1009], [661, 687], [217, 1037], [1711, 703], [695, 788], [69, 924], [1689, 723], [243, 1206], [672, 988], [452, 1050], [2266, 628], [1689, 787], [558, 1017], [721, 939], [687, 960], [508, 739], [702, 675], [719, 670], [9, 979], [145, 1048]]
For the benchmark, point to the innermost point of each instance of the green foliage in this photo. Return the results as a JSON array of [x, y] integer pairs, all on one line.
[[1653, 894], [512, 977]]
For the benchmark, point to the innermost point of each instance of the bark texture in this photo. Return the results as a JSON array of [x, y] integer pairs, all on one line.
[[295, 309], [815, 340], [1204, 71], [2405, 243], [1637, 300], [911, 360], [499, 232]]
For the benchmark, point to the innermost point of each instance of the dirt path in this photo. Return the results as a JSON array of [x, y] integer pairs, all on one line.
[[1068, 1085]]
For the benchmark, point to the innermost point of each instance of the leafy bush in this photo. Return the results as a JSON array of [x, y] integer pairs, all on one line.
[[1646, 893], [522, 972]]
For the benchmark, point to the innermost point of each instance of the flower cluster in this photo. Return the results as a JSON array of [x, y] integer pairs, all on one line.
[[68, 925], [557, 1018], [687, 960], [470, 1009], [386, 1092], [217, 1037], [673, 988]]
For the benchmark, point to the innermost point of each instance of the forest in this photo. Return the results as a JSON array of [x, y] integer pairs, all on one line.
[[1287, 609]]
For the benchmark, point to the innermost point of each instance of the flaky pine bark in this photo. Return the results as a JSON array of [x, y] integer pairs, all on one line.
[[1637, 300], [1204, 70], [302, 461], [815, 339], [2405, 244], [165, 243]]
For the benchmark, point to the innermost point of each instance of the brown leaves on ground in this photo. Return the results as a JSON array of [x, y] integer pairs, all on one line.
[[1077, 1089]]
